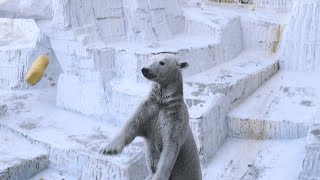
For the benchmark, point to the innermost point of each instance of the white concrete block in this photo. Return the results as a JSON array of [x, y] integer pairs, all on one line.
[[20, 159], [256, 160], [311, 163]]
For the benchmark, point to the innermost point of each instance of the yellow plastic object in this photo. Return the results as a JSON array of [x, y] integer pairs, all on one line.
[[37, 70]]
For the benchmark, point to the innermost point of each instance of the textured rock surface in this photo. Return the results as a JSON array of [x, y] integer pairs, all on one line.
[[300, 47], [257, 160], [311, 163], [19, 159], [285, 107]]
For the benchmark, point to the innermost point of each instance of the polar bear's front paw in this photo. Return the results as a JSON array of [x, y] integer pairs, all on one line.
[[112, 149]]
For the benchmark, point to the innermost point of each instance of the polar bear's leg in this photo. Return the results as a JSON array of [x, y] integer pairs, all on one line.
[[152, 158], [149, 159], [167, 160]]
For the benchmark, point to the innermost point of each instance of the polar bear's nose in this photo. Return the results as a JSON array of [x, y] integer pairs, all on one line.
[[145, 71]]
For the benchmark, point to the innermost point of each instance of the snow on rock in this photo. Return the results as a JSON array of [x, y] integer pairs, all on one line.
[[300, 47], [311, 163]]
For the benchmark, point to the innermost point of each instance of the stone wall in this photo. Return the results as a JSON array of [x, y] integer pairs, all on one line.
[[300, 47]]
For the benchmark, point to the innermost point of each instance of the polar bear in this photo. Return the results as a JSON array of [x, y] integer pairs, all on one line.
[[163, 121]]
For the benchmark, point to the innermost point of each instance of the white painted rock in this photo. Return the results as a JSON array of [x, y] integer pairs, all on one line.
[[300, 47]]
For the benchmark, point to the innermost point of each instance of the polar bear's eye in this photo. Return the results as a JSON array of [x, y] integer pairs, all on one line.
[[161, 63]]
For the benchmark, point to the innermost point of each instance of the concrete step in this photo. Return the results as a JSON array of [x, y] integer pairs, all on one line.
[[217, 40], [52, 174], [211, 38], [19, 159], [285, 107], [257, 160], [211, 94], [284, 5], [213, 34], [73, 140], [311, 163], [261, 27]]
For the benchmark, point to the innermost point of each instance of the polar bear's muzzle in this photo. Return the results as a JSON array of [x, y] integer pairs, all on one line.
[[146, 73]]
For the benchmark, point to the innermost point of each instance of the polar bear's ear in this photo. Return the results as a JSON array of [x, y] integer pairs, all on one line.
[[183, 65]]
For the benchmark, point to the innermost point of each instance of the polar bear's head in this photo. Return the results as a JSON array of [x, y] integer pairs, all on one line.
[[164, 68]]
